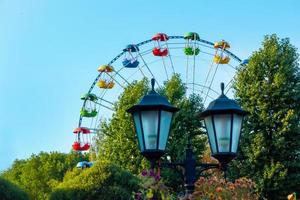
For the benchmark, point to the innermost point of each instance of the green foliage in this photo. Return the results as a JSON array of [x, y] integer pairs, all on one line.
[[269, 88], [9, 191], [102, 181], [38, 174]]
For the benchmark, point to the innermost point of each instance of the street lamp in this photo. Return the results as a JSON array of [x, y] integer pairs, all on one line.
[[152, 121], [223, 122]]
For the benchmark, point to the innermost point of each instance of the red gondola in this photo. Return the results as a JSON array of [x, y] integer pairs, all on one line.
[[82, 139], [160, 37], [77, 146], [83, 130], [158, 50]]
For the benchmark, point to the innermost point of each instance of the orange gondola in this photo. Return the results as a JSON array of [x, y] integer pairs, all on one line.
[[221, 45], [105, 68]]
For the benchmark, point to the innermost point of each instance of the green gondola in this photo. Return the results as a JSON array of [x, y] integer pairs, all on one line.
[[191, 36], [86, 113], [190, 51], [89, 96]]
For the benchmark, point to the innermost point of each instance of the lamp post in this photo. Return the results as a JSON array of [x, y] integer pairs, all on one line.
[[223, 121], [152, 120]]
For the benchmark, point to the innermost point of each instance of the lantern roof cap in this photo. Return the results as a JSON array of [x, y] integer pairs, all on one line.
[[223, 105], [153, 101]]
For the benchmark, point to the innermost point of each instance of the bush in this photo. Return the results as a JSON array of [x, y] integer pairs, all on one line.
[[102, 181], [9, 191], [38, 174], [152, 187]]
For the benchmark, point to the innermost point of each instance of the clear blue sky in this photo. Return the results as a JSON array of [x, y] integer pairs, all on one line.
[[49, 51]]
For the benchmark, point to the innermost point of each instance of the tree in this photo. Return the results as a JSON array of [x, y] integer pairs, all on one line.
[[120, 146], [186, 123], [116, 139], [9, 191], [103, 181], [269, 88], [40, 173]]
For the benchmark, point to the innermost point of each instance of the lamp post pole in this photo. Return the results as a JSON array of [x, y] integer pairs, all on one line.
[[223, 121], [190, 167]]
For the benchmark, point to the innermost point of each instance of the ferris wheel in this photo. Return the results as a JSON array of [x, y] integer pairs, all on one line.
[[201, 64]]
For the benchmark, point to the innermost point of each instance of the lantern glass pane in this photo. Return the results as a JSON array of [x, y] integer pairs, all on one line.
[[211, 135], [223, 128], [138, 130], [150, 128], [165, 122], [236, 131]]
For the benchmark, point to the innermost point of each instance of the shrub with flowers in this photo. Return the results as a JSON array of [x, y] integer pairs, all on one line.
[[218, 189], [152, 187], [292, 196]]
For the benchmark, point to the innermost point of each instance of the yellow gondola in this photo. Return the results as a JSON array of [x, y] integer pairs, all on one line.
[[101, 84], [105, 68], [221, 60], [222, 45], [105, 84]]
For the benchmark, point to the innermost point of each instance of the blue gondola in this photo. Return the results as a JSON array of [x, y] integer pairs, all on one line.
[[130, 60], [130, 63], [131, 48], [84, 164], [245, 62]]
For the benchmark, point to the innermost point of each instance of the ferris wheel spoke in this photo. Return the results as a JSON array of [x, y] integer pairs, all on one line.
[[233, 67], [187, 70], [206, 46], [101, 99], [140, 69], [113, 78], [200, 85], [209, 71], [211, 54], [118, 73], [163, 60], [97, 117], [212, 80], [194, 64], [198, 90], [100, 104], [149, 70], [171, 61], [132, 74], [91, 124]]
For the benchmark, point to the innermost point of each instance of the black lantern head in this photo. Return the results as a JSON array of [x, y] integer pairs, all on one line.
[[152, 119], [223, 121]]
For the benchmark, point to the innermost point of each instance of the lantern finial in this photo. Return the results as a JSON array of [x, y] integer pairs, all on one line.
[[152, 83], [222, 88]]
